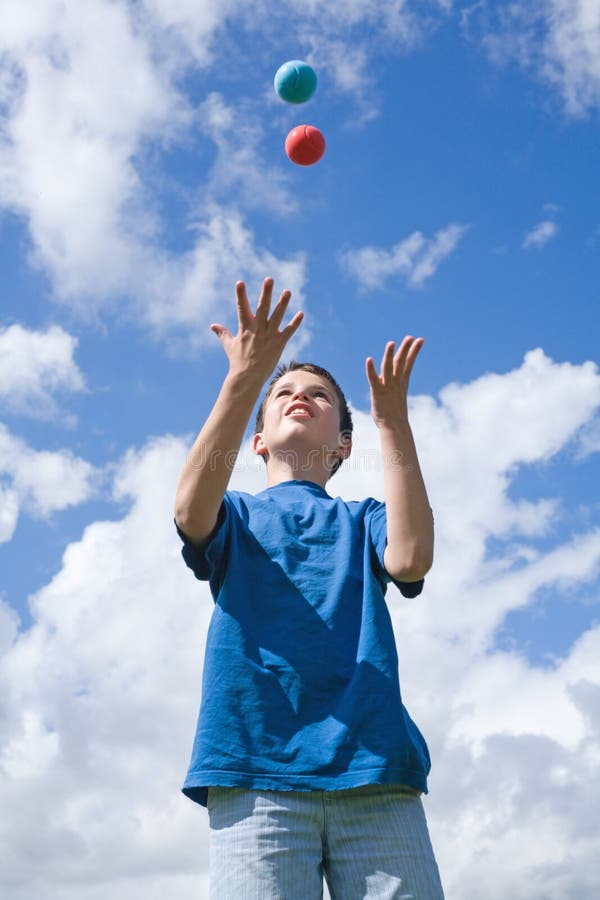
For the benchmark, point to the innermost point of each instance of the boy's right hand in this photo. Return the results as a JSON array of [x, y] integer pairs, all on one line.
[[255, 350]]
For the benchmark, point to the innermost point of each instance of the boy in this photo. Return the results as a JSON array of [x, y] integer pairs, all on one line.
[[304, 754]]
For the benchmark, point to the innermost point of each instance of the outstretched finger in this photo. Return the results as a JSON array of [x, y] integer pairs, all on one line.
[[402, 354], [293, 326], [279, 311], [387, 362], [223, 333], [372, 376], [243, 305], [412, 355], [264, 301]]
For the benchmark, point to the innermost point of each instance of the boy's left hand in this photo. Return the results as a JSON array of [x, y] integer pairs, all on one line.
[[389, 389]]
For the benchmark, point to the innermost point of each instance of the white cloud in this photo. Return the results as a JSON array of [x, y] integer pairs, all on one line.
[[474, 443], [342, 36], [40, 481], [589, 439], [94, 93], [345, 36], [572, 52], [107, 682], [348, 66], [33, 366], [75, 163], [181, 303], [239, 166], [558, 40], [9, 626], [416, 258], [9, 513], [540, 234], [89, 95], [188, 26], [100, 696], [436, 251]]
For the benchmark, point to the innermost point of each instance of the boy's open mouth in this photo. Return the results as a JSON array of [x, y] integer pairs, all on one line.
[[299, 409]]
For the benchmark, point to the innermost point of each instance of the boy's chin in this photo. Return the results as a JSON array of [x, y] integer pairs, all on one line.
[[298, 420]]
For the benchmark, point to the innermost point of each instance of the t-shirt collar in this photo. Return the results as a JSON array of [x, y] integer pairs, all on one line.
[[311, 486]]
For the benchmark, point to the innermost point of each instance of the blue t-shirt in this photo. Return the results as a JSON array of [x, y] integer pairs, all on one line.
[[300, 685]]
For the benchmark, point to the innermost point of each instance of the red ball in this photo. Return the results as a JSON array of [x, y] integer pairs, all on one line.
[[305, 145]]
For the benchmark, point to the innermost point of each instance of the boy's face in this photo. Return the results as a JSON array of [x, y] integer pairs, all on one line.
[[302, 413]]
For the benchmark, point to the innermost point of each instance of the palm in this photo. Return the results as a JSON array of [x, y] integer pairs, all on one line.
[[259, 343], [389, 388]]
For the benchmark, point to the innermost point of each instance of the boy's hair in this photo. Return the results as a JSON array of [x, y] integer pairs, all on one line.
[[345, 414]]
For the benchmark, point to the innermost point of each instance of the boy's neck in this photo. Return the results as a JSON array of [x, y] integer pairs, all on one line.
[[299, 465], [278, 472]]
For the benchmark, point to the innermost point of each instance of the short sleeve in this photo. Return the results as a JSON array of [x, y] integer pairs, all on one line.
[[207, 559], [377, 531]]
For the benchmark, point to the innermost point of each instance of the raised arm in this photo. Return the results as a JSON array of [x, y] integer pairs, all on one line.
[[253, 354], [409, 552]]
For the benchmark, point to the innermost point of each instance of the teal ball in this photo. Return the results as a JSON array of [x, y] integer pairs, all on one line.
[[295, 81]]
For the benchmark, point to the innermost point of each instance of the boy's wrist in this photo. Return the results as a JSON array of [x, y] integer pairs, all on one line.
[[395, 430], [244, 381]]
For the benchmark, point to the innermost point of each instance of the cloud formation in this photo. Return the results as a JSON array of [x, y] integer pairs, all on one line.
[[181, 301], [416, 258], [100, 695], [39, 481], [558, 41], [99, 701], [71, 134], [239, 166], [33, 366], [92, 95], [88, 95], [540, 234]]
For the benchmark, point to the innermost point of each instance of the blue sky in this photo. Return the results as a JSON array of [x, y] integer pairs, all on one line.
[[142, 172]]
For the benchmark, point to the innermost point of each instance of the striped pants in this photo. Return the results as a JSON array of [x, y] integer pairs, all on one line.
[[368, 842]]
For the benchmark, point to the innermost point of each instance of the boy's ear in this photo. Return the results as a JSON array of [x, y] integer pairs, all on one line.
[[258, 445], [345, 448]]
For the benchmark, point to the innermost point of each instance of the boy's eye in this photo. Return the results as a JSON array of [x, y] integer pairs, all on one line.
[[317, 393]]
